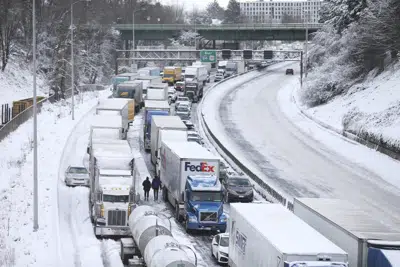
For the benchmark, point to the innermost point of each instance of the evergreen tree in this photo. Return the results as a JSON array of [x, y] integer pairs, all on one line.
[[215, 11], [341, 13], [232, 13]]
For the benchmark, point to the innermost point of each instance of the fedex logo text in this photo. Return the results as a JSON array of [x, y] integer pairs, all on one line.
[[203, 167]]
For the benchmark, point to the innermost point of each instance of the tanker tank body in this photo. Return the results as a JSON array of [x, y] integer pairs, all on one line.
[[165, 251], [144, 225]]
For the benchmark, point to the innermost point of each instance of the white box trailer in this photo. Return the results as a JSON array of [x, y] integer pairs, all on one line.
[[111, 122], [263, 234], [163, 122], [151, 108], [349, 227], [168, 135], [117, 106], [162, 87]]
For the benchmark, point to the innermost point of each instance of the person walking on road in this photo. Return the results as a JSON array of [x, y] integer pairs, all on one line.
[[146, 187], [156, 183]]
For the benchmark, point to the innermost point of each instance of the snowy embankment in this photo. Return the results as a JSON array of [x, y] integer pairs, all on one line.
[[19, 245], [369, 110], [16, 83]]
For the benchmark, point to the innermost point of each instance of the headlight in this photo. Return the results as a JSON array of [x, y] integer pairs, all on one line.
[[223, 254], [223, 218], [192, 219]]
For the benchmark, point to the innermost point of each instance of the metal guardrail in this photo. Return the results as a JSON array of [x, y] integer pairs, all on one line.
[[255, 26]]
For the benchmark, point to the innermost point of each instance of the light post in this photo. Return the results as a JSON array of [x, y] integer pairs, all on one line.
[[306, 44], [72, 56], [35, 167], [133, 36]]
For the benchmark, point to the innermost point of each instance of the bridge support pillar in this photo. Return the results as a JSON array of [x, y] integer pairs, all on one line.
[[214, 44]]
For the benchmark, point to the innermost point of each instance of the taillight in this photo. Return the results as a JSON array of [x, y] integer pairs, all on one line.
[[102, 211]]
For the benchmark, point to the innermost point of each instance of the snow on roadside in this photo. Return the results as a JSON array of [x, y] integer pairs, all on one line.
[[16, 83], [372, 107], [41, 248], [382, 165]]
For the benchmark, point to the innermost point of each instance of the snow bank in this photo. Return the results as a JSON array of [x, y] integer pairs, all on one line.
[[19, 245], [370, 110], [16, 83]]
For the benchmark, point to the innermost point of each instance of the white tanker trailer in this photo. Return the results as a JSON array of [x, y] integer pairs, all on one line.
[[152, 238]]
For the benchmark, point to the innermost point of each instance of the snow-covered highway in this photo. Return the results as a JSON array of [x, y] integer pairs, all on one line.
[[250, 116]]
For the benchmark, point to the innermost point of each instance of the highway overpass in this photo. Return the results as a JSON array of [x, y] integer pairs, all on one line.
[[227, 32]]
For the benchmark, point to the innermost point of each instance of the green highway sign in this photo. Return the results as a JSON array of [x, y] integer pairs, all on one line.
[[209, 56]]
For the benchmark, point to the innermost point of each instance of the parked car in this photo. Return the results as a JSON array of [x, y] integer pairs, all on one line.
[[77, 176], [172, 95], [238, 189], [188, 124], [289, 71], [220, 247], [180, 86]]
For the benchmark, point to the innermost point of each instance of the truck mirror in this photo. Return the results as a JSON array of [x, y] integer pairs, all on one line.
[[183, 196], [156, 154], [88, 150]]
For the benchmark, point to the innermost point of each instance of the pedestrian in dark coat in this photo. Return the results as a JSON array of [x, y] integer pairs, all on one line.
[[146, 187], [156, 184]]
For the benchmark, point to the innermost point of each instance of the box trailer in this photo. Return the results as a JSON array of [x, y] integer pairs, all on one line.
[[349, 227], [117, 106], [162, 87], [130, 90], [110, 122], [149, 71], [170, 135], [263, 234], [163, 122], [153, 107], [190, 177]]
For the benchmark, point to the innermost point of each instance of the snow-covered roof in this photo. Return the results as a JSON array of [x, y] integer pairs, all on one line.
[[170, 68], [107, 121], [108, 172], [148, 78], [103, 133], [115, 183], [156, 104], [350, 217], [190, 150], [108, 141], [171, 135], [204, 183], [169, 121], [158, 86], [287, 232], [113, 103], [112, 150]]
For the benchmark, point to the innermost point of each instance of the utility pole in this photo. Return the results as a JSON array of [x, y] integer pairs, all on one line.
[[306, 46], [35, 165]]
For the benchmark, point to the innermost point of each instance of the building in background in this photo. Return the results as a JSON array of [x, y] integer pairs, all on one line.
[[281, 11]]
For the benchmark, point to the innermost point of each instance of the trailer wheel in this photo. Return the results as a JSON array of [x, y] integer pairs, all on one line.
[[165, 194], [177, 215], [189, 231]]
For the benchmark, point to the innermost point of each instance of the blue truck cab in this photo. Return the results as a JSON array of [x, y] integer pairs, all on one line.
[[203, 202]]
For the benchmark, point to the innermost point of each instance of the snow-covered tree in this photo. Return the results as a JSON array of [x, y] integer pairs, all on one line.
[[215, 11], [341, 13], [199, 17], [232, 13]]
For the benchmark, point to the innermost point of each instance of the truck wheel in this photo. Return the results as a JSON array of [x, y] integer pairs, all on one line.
[[177, 215], [187, 227]]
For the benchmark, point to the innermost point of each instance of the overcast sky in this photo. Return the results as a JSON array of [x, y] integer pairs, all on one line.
[[188, 4]]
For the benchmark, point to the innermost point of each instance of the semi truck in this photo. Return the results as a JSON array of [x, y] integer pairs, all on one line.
[[152, 243], [117, 106], [172, 74], [112, 188], [234, 67], [131, 90], [157, 91], [193, 90], [163, 122], [171, 135], [149, 71], [152, 107], [190, 177], [207, 65], [196, 73], [108, 126], [146, 81], [264, 234], [124, 77], [366, 239]]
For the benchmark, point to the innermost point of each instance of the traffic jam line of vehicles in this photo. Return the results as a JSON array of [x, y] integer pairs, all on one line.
[[317, 233]]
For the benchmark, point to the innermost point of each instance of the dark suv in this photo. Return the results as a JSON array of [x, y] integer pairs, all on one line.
[[238, 189], [289, 71]]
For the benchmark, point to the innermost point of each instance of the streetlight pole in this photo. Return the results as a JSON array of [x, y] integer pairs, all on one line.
[[306, 46], [72, 60], [35, 167]]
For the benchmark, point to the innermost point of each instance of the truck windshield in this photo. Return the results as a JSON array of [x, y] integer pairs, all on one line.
[[114, 198], [221, 67], [168, 75], [182, 108], [190, 76], [206, 196], [124, 93]]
